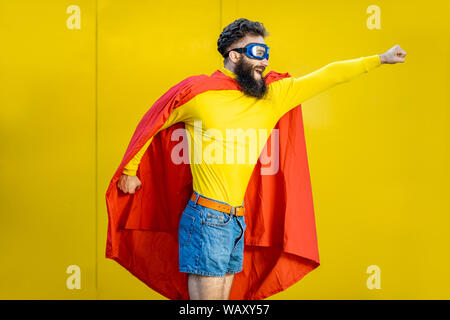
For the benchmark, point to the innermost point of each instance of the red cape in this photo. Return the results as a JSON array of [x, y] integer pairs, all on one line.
[[280, 239]]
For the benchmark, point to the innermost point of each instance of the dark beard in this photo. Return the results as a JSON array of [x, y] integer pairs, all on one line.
[[249, 85]]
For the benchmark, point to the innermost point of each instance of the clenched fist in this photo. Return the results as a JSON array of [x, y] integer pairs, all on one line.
[[393, 55], [129, 184]]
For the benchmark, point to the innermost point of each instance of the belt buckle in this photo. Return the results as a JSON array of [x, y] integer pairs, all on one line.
[[235, 210]]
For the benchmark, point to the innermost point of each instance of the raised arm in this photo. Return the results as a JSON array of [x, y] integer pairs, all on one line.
[[290, 92]]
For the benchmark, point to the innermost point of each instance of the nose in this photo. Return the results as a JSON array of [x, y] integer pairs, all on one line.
[[265, 63]]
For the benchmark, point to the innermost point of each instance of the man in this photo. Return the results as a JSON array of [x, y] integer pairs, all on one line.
[[212, 225]]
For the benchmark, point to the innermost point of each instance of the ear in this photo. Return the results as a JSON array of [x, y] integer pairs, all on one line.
[[234, 56]]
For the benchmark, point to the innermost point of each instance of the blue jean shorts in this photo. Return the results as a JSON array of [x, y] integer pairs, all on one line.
[[211, 242]]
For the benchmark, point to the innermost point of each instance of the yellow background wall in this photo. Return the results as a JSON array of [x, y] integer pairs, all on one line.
[[378, 147]]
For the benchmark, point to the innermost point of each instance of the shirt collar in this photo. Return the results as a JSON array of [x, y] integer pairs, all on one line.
[[228, 72], [233, 75]]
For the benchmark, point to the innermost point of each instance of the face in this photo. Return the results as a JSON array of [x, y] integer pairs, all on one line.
[[249, 71], [257, 66]]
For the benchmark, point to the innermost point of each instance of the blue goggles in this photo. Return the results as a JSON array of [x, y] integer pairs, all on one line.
[[257, 51]]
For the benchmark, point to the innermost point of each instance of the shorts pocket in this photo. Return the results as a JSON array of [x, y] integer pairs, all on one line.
[[216, 218], [186, 229], [196, 208]]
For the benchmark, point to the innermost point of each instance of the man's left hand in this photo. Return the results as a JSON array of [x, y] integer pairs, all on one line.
[[393, 55]]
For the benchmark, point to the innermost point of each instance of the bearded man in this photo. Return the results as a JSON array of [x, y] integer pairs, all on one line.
[[180, 227]]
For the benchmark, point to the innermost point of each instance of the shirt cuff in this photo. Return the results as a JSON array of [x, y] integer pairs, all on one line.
[[129, 172], [371, 62]]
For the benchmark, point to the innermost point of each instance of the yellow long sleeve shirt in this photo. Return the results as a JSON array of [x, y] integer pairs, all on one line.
[[227, 130]]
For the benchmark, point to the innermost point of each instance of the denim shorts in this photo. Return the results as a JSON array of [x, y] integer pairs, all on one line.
[[211, 242]]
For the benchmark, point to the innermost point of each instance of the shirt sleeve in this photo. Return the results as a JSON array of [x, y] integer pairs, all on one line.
[[179, 114], [290, 92]]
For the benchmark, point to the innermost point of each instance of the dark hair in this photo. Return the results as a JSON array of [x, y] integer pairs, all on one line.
[[237, 30]]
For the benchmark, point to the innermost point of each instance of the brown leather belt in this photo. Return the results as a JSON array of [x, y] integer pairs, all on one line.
[[238, 211]]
